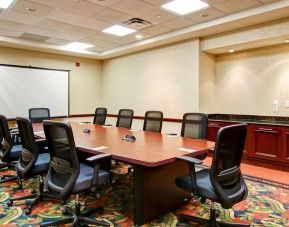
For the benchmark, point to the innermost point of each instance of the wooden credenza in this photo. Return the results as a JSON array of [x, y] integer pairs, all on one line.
[[264, 143]]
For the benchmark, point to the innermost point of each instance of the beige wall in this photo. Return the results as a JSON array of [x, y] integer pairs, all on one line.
[[248, 82], [85, 81], [165, 79]]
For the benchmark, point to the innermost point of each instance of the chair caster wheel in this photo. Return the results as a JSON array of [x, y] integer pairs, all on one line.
[[10, 203], [97, 195], [27, 211], [65, 211], [2, 178], [33, 191]]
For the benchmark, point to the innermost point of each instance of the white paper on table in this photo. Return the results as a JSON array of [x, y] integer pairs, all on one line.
[[134, 130], [39, 132], [186, 149], [99, 148]]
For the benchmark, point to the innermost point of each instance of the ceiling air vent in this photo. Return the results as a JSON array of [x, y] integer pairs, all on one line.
[[137, 23]]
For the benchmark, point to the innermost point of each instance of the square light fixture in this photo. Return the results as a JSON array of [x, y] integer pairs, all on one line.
[[119, 30], [183, 7], [77, 46], [4, 4]]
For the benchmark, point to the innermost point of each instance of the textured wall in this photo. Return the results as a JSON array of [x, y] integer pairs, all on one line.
[[165, 79], [85, 87], [249, 81]]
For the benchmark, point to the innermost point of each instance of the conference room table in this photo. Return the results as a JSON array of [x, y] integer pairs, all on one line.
[[153, 156]]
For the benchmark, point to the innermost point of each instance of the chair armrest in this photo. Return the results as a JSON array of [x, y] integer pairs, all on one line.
[[98, 157], [190, 160]]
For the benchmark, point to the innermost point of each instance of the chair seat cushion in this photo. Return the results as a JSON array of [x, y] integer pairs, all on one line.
[[84, 180], [204, 186], [15, 152], [42, 164]]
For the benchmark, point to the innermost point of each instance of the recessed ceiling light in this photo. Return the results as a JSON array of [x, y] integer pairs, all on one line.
[[231, 51], [76, 46], [183, 7], [286, 41], [4, 4], [205, 15], [118, 30], [138, 36], [32, 9]]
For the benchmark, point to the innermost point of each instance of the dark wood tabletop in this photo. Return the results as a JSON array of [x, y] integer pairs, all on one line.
[[149, 149]]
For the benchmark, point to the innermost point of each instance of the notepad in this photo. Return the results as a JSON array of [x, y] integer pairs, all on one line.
[[134, 130], [107, 126], [186, 149], [99, 148], [39, 132]]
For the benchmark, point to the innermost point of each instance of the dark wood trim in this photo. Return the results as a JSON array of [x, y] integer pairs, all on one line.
[[81, 115], [266, 163], [142, 118], [34, 67]]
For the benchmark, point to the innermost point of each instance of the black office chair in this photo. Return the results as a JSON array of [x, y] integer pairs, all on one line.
[[124, 118], [223, 183], [100, 116], [67, 175], [194, 125], [153, 121], [9, 152], [34, 161], [37, 115]]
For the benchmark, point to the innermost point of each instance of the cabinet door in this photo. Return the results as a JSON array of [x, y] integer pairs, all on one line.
[[285, 151], [267, 143], [213, 128]]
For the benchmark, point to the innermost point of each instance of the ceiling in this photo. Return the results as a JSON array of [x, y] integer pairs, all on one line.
[[51, 24]]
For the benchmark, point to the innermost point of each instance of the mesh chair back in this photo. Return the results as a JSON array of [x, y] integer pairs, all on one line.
[[64, 166], [100, 116], [6, 141], [29, 153], [153, 121], [38, 114], [225, 174], [124, 118], [194, 125]]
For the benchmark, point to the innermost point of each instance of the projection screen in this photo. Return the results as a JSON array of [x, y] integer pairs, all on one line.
[[22, 88]]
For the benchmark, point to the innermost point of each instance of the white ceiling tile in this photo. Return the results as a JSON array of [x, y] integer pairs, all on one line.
[[111, 16], [133, 7], [65, 17], [52, 3], [268, 1], [104, 3], [212, 2], [42, 31], [77, 30], [81, 7], [98, 42], [53, 25], [180, 22], [23, 6], [157, 2], [158, 16], [93, 24], [156, 30], [233, 6], [10, 33], [57, 41], [21, 18], [67, 36], [206, 14], [99, 48], [10, 25]]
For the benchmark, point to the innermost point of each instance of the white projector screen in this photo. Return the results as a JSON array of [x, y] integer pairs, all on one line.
[[22, 88]]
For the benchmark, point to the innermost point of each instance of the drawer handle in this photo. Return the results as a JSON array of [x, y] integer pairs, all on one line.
[[214, 125], [267, 131]]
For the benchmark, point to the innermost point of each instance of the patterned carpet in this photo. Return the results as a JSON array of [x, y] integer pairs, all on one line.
[[266, 205]]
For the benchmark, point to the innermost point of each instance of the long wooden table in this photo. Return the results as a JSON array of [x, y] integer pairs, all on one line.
[[153, 156]]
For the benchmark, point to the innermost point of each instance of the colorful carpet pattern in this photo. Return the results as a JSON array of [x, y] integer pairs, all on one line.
[[266, 205]]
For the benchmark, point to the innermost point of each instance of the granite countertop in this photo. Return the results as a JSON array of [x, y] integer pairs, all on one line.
[[251, 119]]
